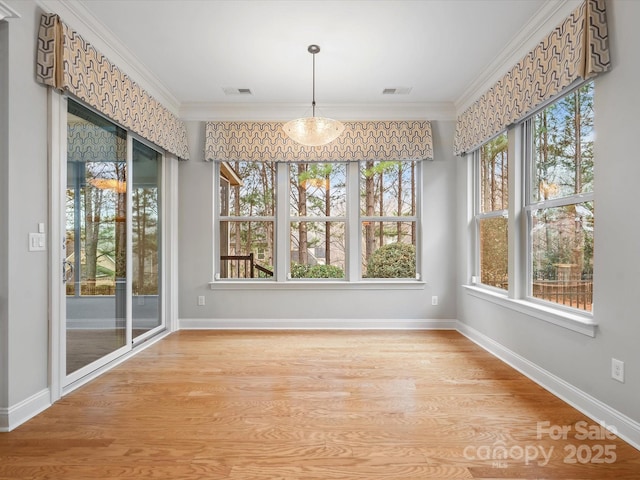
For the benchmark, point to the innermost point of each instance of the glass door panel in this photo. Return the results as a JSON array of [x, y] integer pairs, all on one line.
[[96, 220], [145, 239]]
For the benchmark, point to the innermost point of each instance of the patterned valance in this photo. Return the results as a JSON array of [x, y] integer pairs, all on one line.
[[576, 49], [267, 142], [67, 62]]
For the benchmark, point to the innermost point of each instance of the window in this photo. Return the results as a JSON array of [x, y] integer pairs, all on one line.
[[318, 201], [342, 221], [247, 219], [556, 202], [388, 218], [560, 208], [491, 203]]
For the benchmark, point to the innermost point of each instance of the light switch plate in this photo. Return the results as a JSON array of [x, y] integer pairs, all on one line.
[[37, 242]]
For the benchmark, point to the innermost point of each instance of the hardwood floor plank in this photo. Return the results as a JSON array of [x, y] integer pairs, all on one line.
[[311, 405]]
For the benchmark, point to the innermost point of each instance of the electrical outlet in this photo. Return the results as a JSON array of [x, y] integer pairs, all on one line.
[[201, 300], [434, 300], [617, 370]]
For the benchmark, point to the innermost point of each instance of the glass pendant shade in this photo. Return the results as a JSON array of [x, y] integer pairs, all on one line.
[[313, 131]]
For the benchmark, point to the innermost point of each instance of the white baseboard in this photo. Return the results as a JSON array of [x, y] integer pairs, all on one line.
[[626, 428], [314, 324], [16, 415]]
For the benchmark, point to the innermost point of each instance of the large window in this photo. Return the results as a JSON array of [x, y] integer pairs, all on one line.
[[492, 196], [560, 201], [554, 225], [341, 221]]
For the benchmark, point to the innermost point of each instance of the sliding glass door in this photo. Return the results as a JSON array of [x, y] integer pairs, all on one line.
[[112, 242]]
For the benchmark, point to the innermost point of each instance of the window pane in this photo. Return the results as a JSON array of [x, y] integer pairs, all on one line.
[[247, 189], [388, 189], [145, 238], [562, 254], [246, 249], [317, 250], [563, 147], [96, 237], [494, 252], [318, 189], [388, 250], [494, 175]]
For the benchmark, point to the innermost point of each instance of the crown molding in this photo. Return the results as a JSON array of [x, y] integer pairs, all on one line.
[[544, 21], [209, 111], [76, 15], [7, 12]]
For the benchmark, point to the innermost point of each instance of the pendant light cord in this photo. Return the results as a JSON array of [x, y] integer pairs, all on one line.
[[313, 88]]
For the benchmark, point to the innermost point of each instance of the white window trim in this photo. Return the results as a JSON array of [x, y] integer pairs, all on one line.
[[476, 278], [526, 162], [539, 311], [315, 284], [518, 297], [353, 221]]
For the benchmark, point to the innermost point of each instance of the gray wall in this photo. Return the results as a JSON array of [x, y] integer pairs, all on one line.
[[196, 254], [582, 361], [24, 203]]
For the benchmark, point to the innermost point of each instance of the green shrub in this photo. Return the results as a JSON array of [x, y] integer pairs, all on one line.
[[396, 260], [299, 270], [325, 271], [316, 271]]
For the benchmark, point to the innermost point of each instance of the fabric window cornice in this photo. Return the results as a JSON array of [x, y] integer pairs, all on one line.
[[364, 140], [576, 49], [67, 62]]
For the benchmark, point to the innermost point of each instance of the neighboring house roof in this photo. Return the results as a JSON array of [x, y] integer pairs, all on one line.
[[230, 174]]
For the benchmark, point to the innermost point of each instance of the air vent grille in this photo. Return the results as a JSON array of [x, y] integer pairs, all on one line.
[[396, 91], [237, 91]]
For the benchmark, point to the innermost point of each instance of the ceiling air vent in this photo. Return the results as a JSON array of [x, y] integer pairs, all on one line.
[[396, 91], [236, 91]]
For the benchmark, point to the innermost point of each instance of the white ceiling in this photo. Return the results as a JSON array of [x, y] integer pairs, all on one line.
[[196, 48]]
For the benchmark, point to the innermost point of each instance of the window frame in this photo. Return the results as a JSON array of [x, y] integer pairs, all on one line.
[[309, 218], [416, 218], [519, 296], [282, 232], [479, 215], [530, 204]]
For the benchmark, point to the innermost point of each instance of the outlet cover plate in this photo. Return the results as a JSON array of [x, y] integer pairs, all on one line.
[[617, 370]]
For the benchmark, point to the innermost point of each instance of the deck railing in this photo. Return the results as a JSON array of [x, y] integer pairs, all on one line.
[[243, 266], [573, 291]]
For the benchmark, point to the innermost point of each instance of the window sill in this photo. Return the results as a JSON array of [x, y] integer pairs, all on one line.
[[583, 324], [316, 285]]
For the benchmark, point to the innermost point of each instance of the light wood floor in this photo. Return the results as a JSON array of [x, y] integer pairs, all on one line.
[[313, 406]]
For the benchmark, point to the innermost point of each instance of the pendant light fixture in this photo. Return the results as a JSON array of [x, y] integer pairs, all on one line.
[[313, 131]]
